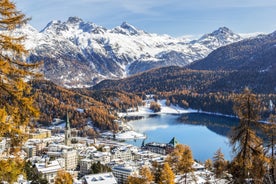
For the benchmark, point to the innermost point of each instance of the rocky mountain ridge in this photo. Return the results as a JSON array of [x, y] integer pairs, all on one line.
[[248, 63], [254, 54], [80, 54]]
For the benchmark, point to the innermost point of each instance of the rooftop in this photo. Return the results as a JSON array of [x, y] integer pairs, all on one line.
[[102, 178], [173, 142], [51, 166], [124, 168]]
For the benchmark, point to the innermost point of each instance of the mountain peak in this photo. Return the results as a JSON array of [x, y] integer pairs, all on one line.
[[73, 24], [222, 31], [219, 37], [127, 29], [128, 26], [51, 25], [81, 53], [74, 20]]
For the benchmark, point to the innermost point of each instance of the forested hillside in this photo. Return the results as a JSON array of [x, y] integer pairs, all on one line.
[[202, 81], [165, 79], [99, 107], [217, 102], [211, 91], [209, 85]]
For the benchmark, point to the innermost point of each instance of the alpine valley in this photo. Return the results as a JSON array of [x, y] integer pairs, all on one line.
[[248, 63], [81, 54], [88, 66], [81, 103]]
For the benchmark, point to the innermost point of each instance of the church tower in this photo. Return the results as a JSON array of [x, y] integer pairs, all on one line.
[[67, 133]]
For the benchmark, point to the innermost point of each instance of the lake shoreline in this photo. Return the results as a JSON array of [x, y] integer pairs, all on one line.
[[145, 111], [203, 140]]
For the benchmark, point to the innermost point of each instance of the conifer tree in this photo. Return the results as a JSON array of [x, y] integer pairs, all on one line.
[[246, 144], [167, 176], [145, 177], [33, 175], [135, 179], [186, 162], [219, 163], [156, 170], [63, 177], [16, 101], [16, 107], [259, 168], [99, 168], [208, 164], [270, 129], [10, 169], [181, 160], [146, 174], [175, 157]]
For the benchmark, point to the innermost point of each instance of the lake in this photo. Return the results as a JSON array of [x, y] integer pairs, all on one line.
[[204, 133]]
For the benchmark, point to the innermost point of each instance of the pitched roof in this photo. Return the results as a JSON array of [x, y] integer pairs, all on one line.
[[173, 142]]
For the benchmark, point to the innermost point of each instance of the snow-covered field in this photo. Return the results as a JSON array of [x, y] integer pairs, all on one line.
[[130, 135], [145, 110]]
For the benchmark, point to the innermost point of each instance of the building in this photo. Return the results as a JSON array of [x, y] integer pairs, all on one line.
[[102, 178], [121, 152], [48, 169], [2, 145], [40, 134], [40, 146], [69, 155], [198, 167], [102, 157], [71, 159], [30, 150], [87, 152], [171, 145], [85, 166], [161, 148], [122, 173], [156, 148]]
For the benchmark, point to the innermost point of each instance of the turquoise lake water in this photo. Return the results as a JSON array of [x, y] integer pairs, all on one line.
[[204, 133]]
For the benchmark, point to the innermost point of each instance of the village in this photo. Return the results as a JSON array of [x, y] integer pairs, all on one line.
[[49, 153]]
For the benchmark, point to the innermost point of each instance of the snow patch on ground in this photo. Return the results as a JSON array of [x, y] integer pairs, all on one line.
[[130, 135], [145, 110]]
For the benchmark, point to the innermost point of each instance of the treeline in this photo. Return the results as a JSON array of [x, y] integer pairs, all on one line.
[[175, 78], [163, 79], [82, 105], [214, 102], [118, 100], [187, 88]]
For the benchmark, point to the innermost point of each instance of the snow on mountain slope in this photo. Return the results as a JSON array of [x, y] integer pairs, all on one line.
[[78, 53]]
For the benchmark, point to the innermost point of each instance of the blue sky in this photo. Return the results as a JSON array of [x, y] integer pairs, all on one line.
[[173, 17]]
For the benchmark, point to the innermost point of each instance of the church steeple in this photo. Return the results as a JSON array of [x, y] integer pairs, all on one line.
[[67, 132], [67, 122]]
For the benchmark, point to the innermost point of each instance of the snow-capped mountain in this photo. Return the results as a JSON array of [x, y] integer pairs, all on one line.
[[78, 53], [252, 54]]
